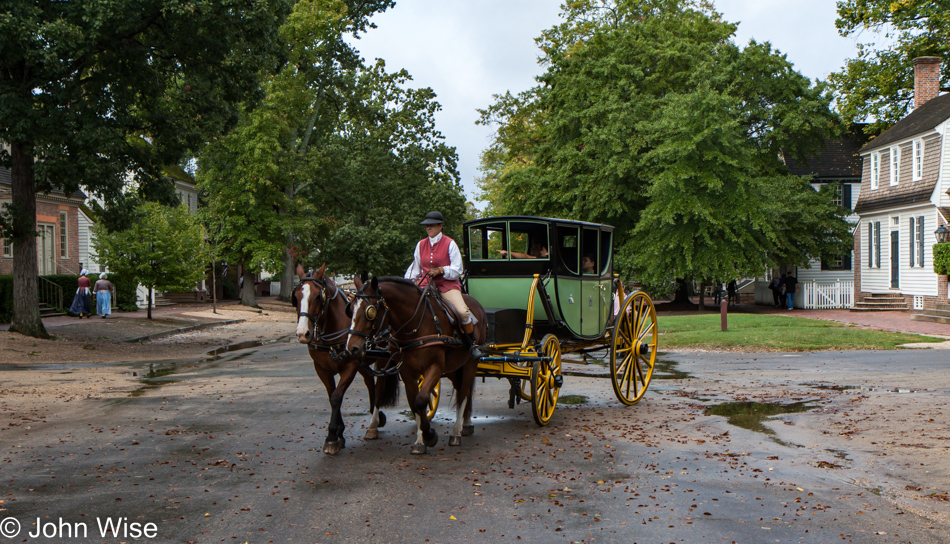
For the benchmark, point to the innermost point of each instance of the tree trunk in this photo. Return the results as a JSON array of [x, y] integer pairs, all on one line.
[[248, 296], [702, 296], [26, 300], [149, 299], [682, 292], [287, 279]]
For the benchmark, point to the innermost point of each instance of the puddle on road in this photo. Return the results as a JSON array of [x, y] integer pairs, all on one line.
[[833, 387], [151, 377], [666, 370], [750, 415], [572, 399], [236, 347]]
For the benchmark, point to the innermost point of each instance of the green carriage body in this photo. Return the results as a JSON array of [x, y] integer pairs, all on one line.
[[579, 305]]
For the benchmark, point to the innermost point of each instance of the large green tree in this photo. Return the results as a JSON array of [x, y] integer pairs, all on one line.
[[649, 117], [878, 85], [78, 78], [163, 248], [339, 162]]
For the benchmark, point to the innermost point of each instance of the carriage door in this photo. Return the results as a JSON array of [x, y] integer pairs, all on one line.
[[591, 292], [45, 254]]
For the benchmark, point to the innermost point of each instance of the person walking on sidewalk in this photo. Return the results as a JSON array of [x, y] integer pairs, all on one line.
[[103, 290], [80, 305], [791, 283]]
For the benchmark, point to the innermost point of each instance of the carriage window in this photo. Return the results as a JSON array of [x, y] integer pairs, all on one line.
[[486, 242], [567, 247], [605, 253], [528, 241], [589, 256]]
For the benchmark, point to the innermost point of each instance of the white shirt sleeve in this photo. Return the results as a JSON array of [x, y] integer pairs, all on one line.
[[415, 268], [454, 270]]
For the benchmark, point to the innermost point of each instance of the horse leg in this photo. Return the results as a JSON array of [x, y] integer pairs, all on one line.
[[326, 376], [464, 388], [372, 433], [426, 436], [332, 447]]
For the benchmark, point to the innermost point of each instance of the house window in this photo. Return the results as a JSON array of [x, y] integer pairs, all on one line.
[[895, 164], [912, 231], [7, 247], [870, 245], [63, 247], [875, 169], [920, 241], [918, 161]]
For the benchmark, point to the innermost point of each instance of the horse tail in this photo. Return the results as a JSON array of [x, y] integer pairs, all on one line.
[[458, 378], [389, 395]]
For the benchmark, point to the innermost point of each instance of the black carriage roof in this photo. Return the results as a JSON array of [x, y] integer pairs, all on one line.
[[543, 219]]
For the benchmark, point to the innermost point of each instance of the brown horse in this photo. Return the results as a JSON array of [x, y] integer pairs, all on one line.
[[418, 326], [323, 326]]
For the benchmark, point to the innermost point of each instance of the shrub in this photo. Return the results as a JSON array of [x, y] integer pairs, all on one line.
[[942, 258]]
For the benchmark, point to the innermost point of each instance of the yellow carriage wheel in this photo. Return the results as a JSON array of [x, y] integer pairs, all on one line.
[[633, 350], [546, 381], [433, 399]]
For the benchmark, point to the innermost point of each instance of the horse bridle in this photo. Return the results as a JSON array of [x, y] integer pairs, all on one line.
[[318, 339]]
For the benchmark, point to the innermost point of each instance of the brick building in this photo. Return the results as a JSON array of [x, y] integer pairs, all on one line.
[[57, 222]]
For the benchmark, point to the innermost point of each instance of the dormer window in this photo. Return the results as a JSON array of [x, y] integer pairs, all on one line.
[[918, 162], [875, 169], [895, 164]]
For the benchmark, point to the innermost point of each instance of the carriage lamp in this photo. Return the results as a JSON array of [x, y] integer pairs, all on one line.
[[942, 234]]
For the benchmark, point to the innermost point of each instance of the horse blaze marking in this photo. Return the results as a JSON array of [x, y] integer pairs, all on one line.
[[304, 302]]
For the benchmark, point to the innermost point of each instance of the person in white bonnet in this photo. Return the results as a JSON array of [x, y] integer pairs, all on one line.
[[81, 302], [104, 291]]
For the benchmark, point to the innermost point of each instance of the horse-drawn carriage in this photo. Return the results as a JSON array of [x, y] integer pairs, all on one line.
[[548, 288], [537, 287]]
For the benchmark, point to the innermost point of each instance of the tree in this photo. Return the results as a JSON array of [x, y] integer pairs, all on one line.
[[163, 249], [340, 161], [79, 78], [877, 86], [648, 117]]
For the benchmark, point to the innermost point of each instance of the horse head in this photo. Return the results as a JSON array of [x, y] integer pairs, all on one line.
[[310, 299], [364, 315]]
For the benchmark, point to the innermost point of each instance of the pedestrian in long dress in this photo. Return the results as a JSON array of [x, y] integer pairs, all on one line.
[[103, 290], [81, 302]]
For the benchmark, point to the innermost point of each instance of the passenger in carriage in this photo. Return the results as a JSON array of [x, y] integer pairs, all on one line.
[[587, 265], [437, 258], [537, 251]]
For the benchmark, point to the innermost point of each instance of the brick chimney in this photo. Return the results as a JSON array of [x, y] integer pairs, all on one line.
[[926, 79]]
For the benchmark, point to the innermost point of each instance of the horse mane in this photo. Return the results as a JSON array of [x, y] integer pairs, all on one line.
[[399, 280]]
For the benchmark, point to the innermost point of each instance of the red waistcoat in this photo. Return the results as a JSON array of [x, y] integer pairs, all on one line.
[[433, 257]]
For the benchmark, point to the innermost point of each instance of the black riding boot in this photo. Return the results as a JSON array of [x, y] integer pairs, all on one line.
[[470, 339]]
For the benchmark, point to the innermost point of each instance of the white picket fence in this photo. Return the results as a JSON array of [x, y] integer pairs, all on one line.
[[827, 295]]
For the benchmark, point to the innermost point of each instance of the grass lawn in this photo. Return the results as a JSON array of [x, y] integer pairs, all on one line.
[[751, 332]]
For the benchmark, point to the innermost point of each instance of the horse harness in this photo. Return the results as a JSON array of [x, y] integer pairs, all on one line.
[[385, 336]]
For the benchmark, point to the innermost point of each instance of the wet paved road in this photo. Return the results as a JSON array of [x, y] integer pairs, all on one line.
[[230, 452]]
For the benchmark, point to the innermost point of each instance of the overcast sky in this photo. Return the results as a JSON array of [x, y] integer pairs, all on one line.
[[468, 50]]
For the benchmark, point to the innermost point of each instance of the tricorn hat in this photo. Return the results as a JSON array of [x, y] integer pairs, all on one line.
[[433, 218]]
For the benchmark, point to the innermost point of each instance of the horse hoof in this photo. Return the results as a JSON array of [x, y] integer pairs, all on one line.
[[418, 449], [371, 434], [333, 448], [431, 439], [455, 440], [382, 420], [468, 430]]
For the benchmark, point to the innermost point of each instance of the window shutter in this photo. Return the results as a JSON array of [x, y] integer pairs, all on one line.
[[846, 261], [870, 245], [877, 244], [913, 243], [920, 241], [846, 195]]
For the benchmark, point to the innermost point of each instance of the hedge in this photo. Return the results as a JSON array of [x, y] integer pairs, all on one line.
[[942, 258], [124, 288]]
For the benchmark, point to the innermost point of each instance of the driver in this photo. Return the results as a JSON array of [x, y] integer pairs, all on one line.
[[437, 258]]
